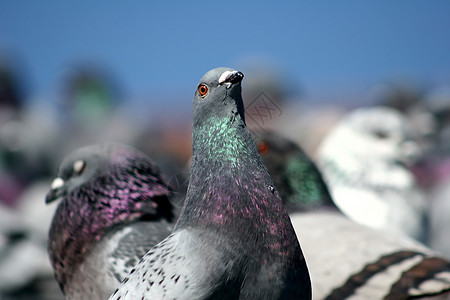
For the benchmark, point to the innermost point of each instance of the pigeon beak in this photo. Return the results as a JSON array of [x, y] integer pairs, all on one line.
[[235, 77], [55, 191], [230, 78]]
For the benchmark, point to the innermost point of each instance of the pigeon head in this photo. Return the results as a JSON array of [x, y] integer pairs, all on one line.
[[108, 164], [218, 94], [379, 132], [77, 169], [112, 181], [102, 188], [296, 177]]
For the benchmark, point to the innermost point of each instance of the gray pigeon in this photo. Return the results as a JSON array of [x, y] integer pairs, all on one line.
[[361, 263], [365, 160], [233, 238], [114, 208]]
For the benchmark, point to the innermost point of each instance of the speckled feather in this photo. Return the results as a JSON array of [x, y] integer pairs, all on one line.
[[118, 195], [233, 238]]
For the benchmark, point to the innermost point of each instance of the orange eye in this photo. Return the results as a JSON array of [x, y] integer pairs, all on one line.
[[202, 90], [263, 148]]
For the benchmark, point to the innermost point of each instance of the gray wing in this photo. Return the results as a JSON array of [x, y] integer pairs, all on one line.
[[183, 266], [347, 260]]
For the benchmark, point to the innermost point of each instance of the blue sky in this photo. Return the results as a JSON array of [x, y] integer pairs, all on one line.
[[163, 48]]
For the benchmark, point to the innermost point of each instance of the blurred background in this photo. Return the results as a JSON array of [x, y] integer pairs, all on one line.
[[76, 73]]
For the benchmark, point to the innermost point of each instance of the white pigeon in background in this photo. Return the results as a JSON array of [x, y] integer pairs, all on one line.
[[364, 160]]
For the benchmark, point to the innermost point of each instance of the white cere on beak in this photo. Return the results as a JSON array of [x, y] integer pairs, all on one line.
[[57, 183], [78, 166], [225, 75]]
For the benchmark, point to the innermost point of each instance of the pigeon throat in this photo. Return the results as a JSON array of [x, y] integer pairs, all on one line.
[[229, 182], [222, 143]]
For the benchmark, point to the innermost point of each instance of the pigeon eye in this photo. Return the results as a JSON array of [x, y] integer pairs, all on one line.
[[78, 167], [263, 148], [202, 90], [381, 135]]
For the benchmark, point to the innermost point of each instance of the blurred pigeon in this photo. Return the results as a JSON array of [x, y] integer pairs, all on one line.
[[361, 263], [91, 108], [438, 103], [407, 97], [440, 218], [25, 272], [296, 177], [364, 160], [434, 166], [114, 207], [25, 135], [233, 238]]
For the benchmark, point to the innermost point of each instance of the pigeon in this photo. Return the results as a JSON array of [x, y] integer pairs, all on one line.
[[364, 263], [296, 176], [408, 98], [365, 160], [361, 263], [114, 206], [233, 238]]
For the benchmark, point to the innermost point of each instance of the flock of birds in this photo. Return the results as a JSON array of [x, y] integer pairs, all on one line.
[[259, 219]]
